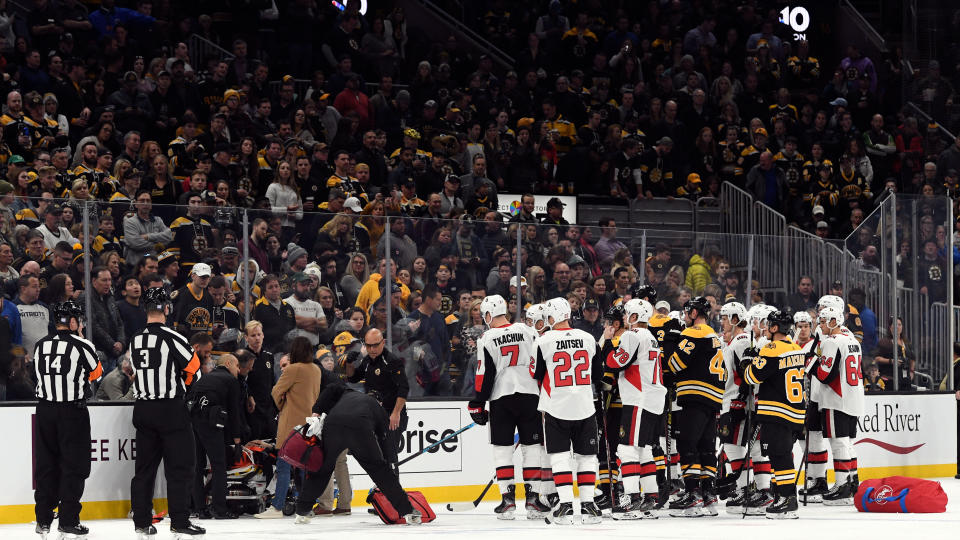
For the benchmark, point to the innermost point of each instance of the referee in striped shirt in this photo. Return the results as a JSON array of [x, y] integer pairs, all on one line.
[[65, 364], [165, 366]]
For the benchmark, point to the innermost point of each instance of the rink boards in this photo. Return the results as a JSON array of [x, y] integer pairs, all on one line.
[[906, 434]]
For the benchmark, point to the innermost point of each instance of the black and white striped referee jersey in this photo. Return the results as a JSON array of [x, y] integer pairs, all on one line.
[[65, 364], [164, 361]]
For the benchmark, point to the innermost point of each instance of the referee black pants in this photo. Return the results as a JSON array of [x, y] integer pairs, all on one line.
[[62, 448], [164, 433], [356, 435]]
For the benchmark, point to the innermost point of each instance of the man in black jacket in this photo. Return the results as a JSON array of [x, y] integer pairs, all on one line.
[[217, 419], [355, 422], [383, 378]]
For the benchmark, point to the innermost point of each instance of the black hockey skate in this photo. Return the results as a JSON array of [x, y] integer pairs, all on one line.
[[711, 502], [507, 506], [784, 508], [73, 532], [688, 504], [590, 514], [640, 507], [758, 502], [815, 490], [535, 508], [551, 499], [42, 530], [561, 515], [146, 533], [735, 504], [190, 532], [839, 495]]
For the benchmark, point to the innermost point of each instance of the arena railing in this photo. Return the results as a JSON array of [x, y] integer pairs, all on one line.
[[201, 48]]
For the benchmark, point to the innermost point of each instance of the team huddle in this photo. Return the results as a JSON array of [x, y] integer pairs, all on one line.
[[643, 407]]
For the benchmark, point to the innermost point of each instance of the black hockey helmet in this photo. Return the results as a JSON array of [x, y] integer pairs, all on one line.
[[156, 298], [643, 292], [64, 311], [698, 303], [782, 319], [614, 313]]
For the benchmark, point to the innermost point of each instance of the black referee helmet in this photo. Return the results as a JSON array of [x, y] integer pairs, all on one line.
[[644, 292], [63, 312], [156, 298]]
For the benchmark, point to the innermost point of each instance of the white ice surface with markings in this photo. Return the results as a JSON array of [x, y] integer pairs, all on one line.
[[816, 523]]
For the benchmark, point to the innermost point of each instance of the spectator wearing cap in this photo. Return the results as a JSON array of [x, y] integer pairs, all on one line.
[[590, 322], [692, 188], [554, 213], [168, 267], [134, 110], [192, 303], [768, 183], [51, 229], [36, 251], [308, 314], [656, 169], [448, 196]]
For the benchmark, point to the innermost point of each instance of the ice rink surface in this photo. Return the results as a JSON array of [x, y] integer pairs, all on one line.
[[816, 523]]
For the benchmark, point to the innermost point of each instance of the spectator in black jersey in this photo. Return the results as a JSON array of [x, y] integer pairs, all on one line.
[[193, 306]]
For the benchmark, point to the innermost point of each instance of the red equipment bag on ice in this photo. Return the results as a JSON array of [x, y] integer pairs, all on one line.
[[900, 495], [301, 451], [390, 516]]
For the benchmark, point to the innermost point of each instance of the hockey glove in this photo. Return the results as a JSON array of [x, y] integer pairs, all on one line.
[[607, 382], [478, 413]]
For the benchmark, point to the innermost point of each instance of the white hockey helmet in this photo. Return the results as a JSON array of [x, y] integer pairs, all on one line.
[[734, 309], [759, 312], [494, 306], [513, 281], [558, 309], [831, 313], [641, 308], [802, 317], [831, 300]]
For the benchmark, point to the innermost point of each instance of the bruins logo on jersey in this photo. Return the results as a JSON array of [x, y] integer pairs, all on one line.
[[934, 273], [759, 362], [446, 304], [199, 318], [199, 244], [655, 175]]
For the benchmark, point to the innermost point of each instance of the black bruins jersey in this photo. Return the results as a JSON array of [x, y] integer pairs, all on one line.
[[607, 347], [853, 186], [192, 313], [667, 331], [779, 372], [697, 364], [190, 239], [793, 171]]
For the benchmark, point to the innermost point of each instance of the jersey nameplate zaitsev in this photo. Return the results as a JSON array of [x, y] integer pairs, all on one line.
[[567, 365]]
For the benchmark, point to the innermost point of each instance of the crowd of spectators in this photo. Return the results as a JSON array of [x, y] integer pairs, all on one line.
[[398, 133]]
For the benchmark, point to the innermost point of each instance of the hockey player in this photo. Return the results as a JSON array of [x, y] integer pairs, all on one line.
[[536, 318], [504, 357], [732, 424], [816, 448], [778, 370], [567, 368], [609, 411], [636, 361], [667, 332], [697, 364], [841, 401], [817, 456]]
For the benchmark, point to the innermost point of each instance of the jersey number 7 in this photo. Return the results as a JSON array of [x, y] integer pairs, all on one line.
[[513, 351], [579, 364]]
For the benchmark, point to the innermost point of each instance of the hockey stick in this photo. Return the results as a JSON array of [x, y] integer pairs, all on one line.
[[438, 443], [606, 443], [748, 461], [467, 506]]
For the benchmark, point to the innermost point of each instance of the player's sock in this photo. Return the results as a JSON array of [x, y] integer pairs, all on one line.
[[648, 471], [563, 476], [761, 467], [630, 468], [735, 459], [547, 486], [817, 457], [675, 470], [531, 466], [503, 461], [586, 476], [852, 474], [842, 460]]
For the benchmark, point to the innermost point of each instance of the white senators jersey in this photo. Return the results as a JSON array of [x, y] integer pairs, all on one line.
[[640, 377], [732, 354], [813, 385], [839, 369], [567, 366], [505, 362]]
